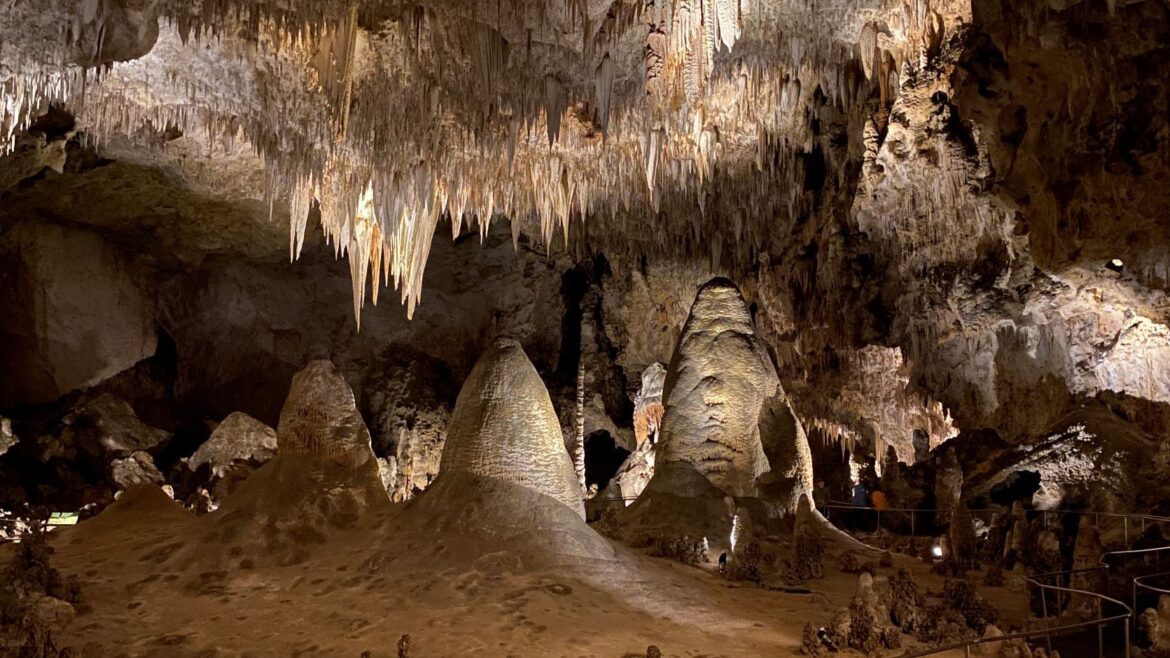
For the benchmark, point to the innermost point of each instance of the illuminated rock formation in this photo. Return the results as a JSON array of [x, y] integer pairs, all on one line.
[[239, 438], [504, 427], [725, 412], [320, 419], [648, 408]]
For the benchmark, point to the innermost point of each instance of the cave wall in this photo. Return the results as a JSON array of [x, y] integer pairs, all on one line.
[[74, 313]]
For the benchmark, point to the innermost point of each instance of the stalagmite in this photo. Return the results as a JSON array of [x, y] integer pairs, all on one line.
[[504, 427], [320, 419], [579, 424], [725, 414]]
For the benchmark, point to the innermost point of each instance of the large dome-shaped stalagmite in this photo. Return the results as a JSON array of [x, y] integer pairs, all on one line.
[[504, 427], [726, 415]]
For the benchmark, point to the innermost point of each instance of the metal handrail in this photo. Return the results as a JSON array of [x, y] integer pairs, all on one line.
[[1132, 551], [1140, 583], [912, 512], [993, 510], [1100, 622], [1048, 631], [834, 504]]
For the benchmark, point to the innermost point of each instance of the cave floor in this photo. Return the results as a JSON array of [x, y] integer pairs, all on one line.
[[363, 588]]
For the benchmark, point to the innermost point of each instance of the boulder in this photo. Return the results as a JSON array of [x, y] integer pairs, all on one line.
[[138, 468], [239, 438], [106, 425], [74, 314], [7, 438]]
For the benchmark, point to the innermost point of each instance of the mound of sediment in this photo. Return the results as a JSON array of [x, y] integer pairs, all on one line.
[[324, 479], [290, 505], [540, 531]]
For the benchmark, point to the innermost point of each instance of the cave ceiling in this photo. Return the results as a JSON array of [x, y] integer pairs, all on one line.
[[936, 207]]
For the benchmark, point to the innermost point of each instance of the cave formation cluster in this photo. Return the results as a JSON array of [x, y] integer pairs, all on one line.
[[711, 256]]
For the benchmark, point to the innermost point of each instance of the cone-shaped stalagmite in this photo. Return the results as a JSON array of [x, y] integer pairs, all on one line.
[[726, 416], [319, 418], [504, 427]]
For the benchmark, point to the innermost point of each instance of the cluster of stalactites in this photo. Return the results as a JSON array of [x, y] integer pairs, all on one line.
[[875, 406], [377, 153]]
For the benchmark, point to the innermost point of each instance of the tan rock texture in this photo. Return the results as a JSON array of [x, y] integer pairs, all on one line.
[[319, 418], [238, 438], [504, 427], [721, 389]]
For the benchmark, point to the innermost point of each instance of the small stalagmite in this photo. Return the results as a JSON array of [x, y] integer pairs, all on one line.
[[504, 427], [320, 418]]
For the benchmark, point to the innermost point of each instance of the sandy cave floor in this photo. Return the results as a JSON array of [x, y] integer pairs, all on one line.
[[363, 588]]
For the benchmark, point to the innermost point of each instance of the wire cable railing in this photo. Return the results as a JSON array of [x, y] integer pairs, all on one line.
[[921, 518]]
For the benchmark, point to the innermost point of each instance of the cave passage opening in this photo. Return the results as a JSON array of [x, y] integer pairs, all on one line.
[[1020, 485], [603, 458]]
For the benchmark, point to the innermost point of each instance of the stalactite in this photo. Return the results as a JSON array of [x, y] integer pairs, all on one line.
[[366, 130], [604, 84], [554, 107]]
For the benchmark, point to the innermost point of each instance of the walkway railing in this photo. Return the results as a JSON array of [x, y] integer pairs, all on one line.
[[1145, 584], [1100, 622], [1126, 519]]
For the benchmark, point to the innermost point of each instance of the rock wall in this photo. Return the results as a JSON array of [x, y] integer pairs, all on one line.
[[75, 314]]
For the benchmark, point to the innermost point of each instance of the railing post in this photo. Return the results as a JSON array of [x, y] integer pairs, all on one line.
[[1126, 518], [1100, 632], [1126, 640], [1044, 609], [1028, 604]]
